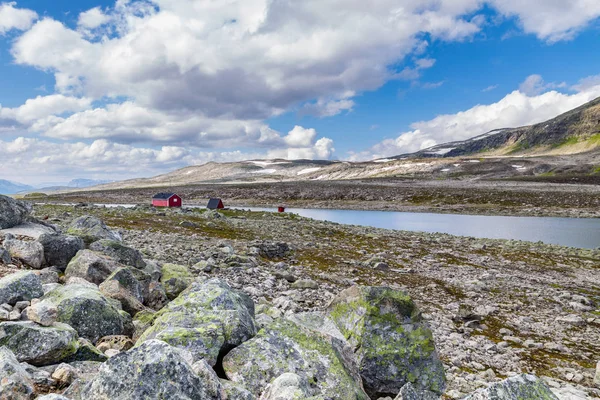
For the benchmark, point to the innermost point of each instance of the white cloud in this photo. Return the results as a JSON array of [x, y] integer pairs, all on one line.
[[535, 84], [93, 18], [490, 88], [15, 18], [514, 110], [551, 20]]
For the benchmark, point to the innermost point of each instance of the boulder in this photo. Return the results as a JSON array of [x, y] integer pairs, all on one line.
[[60, 249], [408, 392], [522, 387], [38, 345], [91, 229], [43, 313], [5, 256], [19, 286], [49, 275], [53, 396], [288, 347], [175, 279], [29, 253], [86, 352], [91, 266], [206, 320], [153, 370], [393, 344], [235, 391], [13, 212], [15, 381], [123, 254], [88, 311], [287, 387], [157, 296], [123, 286]]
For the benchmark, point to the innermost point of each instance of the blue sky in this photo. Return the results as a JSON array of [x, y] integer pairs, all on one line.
[[119, 89]]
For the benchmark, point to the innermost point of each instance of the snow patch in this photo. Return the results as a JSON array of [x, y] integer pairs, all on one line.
[[441, 152], [308, 170], [267, 163], [473, 161], [383, 160], [445, 170], [264, 171]]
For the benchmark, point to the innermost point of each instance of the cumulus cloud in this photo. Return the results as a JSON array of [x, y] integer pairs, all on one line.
[[15, 18], [93, 18], [515, 109], [535, 84]]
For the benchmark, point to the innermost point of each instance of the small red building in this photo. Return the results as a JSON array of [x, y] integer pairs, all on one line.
[[166, 200], [215, 204]]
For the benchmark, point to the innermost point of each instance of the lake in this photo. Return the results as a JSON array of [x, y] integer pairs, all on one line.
[[574, 232]]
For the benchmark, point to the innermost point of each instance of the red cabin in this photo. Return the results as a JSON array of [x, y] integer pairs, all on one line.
[[166, 200]]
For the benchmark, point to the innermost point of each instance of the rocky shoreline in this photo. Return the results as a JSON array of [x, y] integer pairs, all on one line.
[[242, 305]]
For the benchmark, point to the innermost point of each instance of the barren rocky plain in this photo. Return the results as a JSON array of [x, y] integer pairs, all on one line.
[[496, 308]]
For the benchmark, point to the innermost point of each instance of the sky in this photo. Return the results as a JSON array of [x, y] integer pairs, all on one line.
[[119, 89]]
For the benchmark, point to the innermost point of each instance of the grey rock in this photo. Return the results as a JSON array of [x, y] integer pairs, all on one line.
[[522, 387], [48, 287], [597, 375], [49, 275], [393, 344], [235, 391], [5, 256], [91, 266], [53, 396], [123, 254], [408, 392], [86, 352], [305, 284], [13, 212], [123, 286], [60, 249], [38, 345], [175, 279], [21, 285], [272, 250], [288, 347], [15, 381], [64, 374], [157, 296], [91, 229], [29, 253], [43, 313], [287, 386], [88, 311], [205, 320], [153, 370], [214, 388]]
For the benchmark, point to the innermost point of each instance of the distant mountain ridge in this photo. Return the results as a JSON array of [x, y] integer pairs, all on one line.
[[576, 131], [8, 187]]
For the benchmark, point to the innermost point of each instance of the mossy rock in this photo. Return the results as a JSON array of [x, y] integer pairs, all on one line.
[[393, 344], [117, 250], [288, 347], [175, 279], [91, 229], [205, 319], [522, 387]]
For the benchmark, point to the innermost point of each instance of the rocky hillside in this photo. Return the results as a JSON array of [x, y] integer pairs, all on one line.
[[8, 187], [576, 131]]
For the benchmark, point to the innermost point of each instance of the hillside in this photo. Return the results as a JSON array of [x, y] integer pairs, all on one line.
[[573, 132], [8, 187]]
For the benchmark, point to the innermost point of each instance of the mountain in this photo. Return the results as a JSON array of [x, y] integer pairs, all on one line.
[[83, 183], [576, 131], [8, 187]]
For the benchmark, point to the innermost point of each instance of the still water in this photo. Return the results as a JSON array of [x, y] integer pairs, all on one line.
[[574, 232]]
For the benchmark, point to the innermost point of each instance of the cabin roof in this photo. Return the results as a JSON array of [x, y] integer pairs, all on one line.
[[163, 196]]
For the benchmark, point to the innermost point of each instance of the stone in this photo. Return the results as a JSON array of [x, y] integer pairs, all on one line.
[[21, 285], [214, 388], [234, 391], [325, 361], [571, 319], [86, 352], [60, 249], [5, 256], [38, 345], [29, 253], [13, 212], [123, 286], [153, 370], [111, 353], [522, 387], [305, 284], [48, 287], [88, 311], [64, 374], [85, 371], [43, 313], [48, 275], [175, 279], [597, 375], [157, 297], [393, 343], [287, 386], [91, 266], [53, 396], [272, 250], [91, 229], [15, 381], [408, 392], [206, 319], [115, 342], [118, 251]]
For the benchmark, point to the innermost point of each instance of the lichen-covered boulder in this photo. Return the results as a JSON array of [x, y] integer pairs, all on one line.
[[287, 387], [5, 256], [91, 266], [206, 319], [123, 254], [20, 286], [288, 347], [60, 249], [235, 391], [88, 311], [123, 286], [408, 392], [15, 381], [91, 229], [175, 279], [13, 212], [38, 345], [393, 344], [29, 253], [522, 387], [86, 351], [153, 370]]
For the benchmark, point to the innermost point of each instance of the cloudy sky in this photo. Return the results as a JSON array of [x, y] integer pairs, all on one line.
[[128, 88]]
